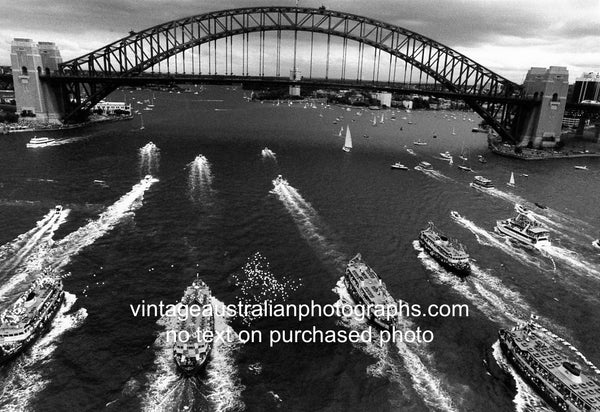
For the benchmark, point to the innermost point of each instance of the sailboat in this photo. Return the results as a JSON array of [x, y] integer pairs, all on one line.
[[511, 182], [341, 131], [151, 104], [381, 120], [348, 142], [374, 121], [141, 122]]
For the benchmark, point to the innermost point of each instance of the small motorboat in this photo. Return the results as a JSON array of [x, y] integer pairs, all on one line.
[[58, 209], [446, 155], [279, 180], [399, 166], [581, 167], [465, 168], [482, 159], [420, 143]]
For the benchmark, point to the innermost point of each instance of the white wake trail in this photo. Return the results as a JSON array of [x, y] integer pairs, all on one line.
[[200, 178]]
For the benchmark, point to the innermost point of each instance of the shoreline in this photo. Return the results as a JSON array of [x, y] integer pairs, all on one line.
[[541, 155], [7, 131]]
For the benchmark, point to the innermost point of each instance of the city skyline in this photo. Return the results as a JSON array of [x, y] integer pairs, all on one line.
[[506, 37]]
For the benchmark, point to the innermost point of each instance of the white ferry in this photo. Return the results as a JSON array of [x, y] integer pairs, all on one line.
[[480, 182], [41, 142], [525, 229]]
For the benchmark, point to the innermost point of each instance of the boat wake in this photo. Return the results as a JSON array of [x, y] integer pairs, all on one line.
[[490, 239], [576, 263], [167, 391], [423, 378], [487, 293], [25, 246], [149, 159], [308, 222], [526, 400], [61, 252], [561, 223], [200, 178], [257, 284], [24, 380], [434, 174]]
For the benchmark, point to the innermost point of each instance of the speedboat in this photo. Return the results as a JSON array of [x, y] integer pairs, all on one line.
[[446, 155], [581, 167], [411, 151], [279, 180], [399, 165], [424, 166]]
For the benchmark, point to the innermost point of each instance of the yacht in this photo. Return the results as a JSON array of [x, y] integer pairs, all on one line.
[[41, 142], [399, 165], [581, 167], [481, 182], [446, 155], [425, 166]]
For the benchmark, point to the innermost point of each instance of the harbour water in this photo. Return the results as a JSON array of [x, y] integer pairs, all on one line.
[[211, 208]]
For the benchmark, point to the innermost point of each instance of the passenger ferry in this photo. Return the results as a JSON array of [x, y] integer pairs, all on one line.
[[367, 288], [30, 316], [550, 369], [480, 182], [449, 252], [525, 229], [191, 356]]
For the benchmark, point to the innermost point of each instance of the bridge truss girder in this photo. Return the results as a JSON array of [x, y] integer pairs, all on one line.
[[134, 54]]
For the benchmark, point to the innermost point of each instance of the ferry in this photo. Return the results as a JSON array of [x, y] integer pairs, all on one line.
[[551, 369], [367, 288], [524, 229], [399, 165], [425, 166], [481, 182], [40, 142], [449, 252], [191, 356], [30, 316]]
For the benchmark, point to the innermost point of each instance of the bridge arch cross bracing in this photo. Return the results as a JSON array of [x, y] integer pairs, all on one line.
[[138, 52]]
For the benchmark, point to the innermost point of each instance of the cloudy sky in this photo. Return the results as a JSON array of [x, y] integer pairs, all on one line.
[[507, 36]]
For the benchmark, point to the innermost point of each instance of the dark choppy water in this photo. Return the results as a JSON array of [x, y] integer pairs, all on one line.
[[215, 211]]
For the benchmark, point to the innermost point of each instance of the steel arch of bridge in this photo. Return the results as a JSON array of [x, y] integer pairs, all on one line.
[[132, 55]]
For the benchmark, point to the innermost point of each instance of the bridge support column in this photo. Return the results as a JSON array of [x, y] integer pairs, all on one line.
[[541, 126], [31, 62], [294, 90]]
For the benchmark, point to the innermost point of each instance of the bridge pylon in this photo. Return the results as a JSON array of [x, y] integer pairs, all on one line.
[[31, 62], [540, 125]]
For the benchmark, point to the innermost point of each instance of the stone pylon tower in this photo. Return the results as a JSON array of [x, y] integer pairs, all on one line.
[[31, 62], [544, 123]]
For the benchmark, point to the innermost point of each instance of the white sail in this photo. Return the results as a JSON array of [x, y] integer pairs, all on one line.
[[511, 182], [348, 142]]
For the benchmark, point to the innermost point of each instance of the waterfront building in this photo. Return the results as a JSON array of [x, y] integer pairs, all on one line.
[[587, 88]]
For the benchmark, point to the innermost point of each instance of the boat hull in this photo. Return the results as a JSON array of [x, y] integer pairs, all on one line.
[[42, 328], [461, 269]]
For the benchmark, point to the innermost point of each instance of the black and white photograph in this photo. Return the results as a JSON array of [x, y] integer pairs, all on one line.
[[303, 206]]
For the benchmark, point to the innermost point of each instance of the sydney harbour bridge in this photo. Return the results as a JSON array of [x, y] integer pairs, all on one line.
[[266, 46]]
